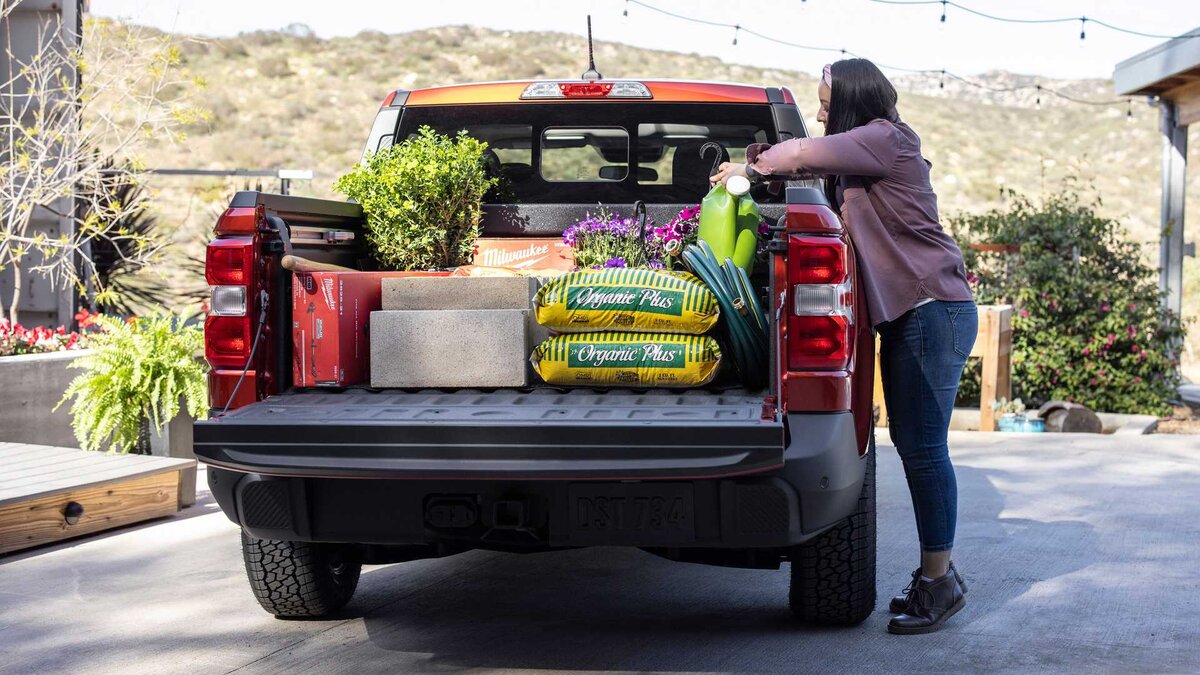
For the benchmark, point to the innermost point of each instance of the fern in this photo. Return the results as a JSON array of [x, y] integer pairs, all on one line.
[[139, 370]]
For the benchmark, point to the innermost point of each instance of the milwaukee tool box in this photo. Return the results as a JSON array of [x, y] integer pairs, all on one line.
[[331, 314]]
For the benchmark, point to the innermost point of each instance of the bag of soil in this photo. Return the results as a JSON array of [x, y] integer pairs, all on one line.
[[629, 360], [630, 300]]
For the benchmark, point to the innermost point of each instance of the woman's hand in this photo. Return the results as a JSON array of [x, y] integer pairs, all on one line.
[[726, 171]]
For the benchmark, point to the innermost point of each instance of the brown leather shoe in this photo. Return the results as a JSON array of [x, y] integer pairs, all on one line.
[[898, 603], [932, 603]]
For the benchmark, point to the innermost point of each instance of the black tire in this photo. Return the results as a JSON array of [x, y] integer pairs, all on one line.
[[300, 579], [833, 576]]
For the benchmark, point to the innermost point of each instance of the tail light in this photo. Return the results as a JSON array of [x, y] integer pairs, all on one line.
[[820, 329], [230, 268]]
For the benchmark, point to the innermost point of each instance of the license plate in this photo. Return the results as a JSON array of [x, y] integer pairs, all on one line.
[[632, 513]]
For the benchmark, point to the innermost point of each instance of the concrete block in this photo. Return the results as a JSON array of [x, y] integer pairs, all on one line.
[[459, 292], [450, 348]]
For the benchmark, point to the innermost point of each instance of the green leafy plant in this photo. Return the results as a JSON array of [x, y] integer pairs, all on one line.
[[423, 199], [139, 370], [1088, 323], [1007, 407]]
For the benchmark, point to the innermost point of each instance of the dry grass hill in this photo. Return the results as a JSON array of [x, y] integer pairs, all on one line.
[[289, 99]]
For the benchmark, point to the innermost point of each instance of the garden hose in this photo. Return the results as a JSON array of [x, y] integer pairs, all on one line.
[[744, 322]]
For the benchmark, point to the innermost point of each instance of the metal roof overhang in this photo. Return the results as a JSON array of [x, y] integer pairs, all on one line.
[[1173, 64]]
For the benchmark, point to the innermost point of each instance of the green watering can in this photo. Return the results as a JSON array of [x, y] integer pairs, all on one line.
[[729, 220]]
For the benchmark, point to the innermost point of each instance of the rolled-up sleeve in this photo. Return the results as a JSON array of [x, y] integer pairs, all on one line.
[[869, 150]]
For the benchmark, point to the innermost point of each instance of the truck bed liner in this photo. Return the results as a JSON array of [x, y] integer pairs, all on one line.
[[532, 434]]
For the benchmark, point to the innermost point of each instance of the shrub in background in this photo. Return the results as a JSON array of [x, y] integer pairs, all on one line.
[[423, 199], [1088, 324], [139, 370]]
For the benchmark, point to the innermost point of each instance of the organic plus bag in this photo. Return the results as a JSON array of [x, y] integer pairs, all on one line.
[[631, 300], [627, 359]]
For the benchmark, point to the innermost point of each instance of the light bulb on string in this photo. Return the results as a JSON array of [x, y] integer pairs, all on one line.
[[942, 79], [1082, 31], [942, 22], [1129, 110], [1038, 102], [735, 34], [625, 13]]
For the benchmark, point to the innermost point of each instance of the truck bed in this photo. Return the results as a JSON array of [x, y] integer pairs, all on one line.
[[537, 434]]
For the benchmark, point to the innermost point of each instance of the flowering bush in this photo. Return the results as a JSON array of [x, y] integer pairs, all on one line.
[[16, 339], [1088, 324], [608, 240]]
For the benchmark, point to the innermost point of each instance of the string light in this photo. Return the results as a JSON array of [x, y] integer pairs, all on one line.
[[1129, 110], [1009, 19], [941, 74], [735, 34], [1082, 28]]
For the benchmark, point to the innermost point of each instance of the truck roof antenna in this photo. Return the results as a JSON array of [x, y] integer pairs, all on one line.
[[592, 74]]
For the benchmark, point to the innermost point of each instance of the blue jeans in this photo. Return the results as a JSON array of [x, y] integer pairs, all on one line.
[[921, 356]]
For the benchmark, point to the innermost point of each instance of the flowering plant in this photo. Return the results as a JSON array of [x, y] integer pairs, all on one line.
[[666, 243], [17, 339], [1088, 322], [607, 240], [604, 239]]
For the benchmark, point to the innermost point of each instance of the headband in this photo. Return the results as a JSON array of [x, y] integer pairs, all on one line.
[[827, 75]]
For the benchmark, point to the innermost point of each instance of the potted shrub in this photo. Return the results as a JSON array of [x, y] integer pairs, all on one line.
[[142, 373], [423, 200]]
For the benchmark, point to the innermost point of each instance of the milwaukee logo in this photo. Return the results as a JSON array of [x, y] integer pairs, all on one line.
[[499, 258]]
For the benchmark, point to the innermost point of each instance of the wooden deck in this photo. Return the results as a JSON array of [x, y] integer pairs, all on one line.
[[49, 493]]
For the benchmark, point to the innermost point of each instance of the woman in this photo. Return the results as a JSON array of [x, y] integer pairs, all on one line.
[[917, 294]]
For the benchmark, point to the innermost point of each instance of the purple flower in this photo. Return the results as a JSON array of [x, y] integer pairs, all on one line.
[[615, 262], [763, 228]]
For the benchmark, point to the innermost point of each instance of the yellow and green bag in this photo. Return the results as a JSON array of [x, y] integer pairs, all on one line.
[[642, 301], [627, 359]]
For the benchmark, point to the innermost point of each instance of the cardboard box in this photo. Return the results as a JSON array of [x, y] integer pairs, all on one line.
[[330, 325], [524, 253]]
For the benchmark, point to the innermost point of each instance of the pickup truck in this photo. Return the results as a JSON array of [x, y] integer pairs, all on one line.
[[322, 481]]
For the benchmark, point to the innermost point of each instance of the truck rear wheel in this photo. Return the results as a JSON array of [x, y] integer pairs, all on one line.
[[833, 576], [300, 579]]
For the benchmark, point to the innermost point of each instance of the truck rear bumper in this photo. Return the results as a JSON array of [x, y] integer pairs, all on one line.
[[710, 494]]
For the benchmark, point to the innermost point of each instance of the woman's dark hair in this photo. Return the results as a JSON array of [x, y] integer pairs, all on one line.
[[860, 93]]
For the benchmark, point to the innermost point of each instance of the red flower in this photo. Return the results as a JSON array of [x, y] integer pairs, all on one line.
[[1104, 307], [1135, 349], [1132, 307], [1101, 373], [1087, 351], [1092, 381], [1137, 380], [1024, 313], [1132, 331]]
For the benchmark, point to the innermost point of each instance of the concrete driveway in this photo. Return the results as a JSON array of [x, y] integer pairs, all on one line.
[[1081, 555]]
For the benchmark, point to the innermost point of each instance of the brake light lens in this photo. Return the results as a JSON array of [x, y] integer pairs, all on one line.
[[237, 221], [545, 90], [227, 341], [817, 260], [229, 261]]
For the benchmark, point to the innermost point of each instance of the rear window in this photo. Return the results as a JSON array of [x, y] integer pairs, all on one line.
[[585, 153]]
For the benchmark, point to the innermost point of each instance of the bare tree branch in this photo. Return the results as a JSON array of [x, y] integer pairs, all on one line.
[[73, 120]]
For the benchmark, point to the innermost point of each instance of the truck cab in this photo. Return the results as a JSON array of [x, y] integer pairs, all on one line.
[[324, 480]]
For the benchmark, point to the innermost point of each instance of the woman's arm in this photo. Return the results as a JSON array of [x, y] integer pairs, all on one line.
[[869, 150]]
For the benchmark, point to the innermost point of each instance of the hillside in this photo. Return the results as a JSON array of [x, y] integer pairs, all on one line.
[[289, 99]]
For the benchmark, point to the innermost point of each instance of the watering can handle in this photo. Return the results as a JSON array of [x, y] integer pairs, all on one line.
[[716, 165]]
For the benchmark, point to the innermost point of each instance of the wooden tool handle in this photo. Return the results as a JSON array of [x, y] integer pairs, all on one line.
[[297, 264]]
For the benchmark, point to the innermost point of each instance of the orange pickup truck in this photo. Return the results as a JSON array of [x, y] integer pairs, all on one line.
[[322, 481]]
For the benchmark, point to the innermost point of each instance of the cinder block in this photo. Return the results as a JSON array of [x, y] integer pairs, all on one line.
[[450, 348], [459, 293]]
